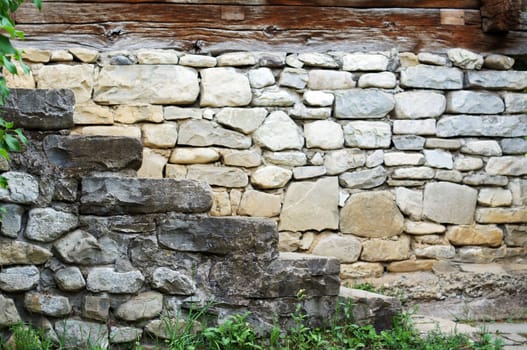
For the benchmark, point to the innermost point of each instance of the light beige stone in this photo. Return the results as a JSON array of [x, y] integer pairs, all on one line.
[[307, 240], [236, 197], [324, 134], [411, 265], [480, 255], [20, 80], [288, 241], [150, 84], [490, 235], [234, 59], [422, 228], [194, 155], [36, 55], [410, 202], [61, 56], [201, 133], [245, 120], [224, 87], [179, 113], [445, 202], [440, 252], [84, 55], [114, 130], [198, 61], [403, 158], [133, 114], [337, 162], [318, 98], [501, 215], [495, 197], [78, 78], [330, 80], [270, 177], [175, 171], [371, 214], [261, 204], [288, 158], [246, 159], [221, 204], [345, 248], [218, 176], [279, 132], [160, 135], [274, 97], [91, 113], [311, 206], [157, 57], [431, 239], [361, 269], [153, 164], [408, 59], [386, 250]]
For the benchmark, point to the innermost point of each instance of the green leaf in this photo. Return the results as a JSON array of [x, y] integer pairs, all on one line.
[[6, 48], [4, 153], [3, 182], [21, 136], [38, 4], [6, 62], [12, 142]]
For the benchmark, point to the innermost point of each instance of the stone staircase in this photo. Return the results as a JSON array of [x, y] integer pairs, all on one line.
[[92, 253]]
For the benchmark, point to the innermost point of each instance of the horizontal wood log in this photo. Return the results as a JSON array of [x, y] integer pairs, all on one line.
[[136, 24], [500, 16], [460, 4]]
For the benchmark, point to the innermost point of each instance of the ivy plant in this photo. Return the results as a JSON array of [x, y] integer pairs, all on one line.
[[11, 138]]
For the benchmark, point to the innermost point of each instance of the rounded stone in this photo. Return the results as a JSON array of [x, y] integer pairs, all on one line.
[[271, 177], [345, 248], [371, 214]]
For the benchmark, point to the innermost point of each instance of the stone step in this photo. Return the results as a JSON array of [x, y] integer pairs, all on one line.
[[40, 109], [371, 308], [121, 195], [93, 153], [309, 275]]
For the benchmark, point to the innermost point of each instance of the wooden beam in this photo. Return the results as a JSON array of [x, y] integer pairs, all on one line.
[[458, 4], [500, 16]]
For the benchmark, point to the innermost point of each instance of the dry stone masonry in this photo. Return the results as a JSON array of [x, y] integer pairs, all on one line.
[[406, 167], [95, 255]]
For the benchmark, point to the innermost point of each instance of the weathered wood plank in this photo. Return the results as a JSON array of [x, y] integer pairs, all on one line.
[[255, 17], [500, 16], [460, 4], [135, 36]]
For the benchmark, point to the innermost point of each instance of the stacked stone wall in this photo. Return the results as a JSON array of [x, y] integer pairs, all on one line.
[[94, 255], [394, 163]]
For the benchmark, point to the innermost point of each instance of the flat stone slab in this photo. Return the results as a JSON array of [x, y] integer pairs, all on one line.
[[42, 109], [219, 235], [94, 153], [116, 195]]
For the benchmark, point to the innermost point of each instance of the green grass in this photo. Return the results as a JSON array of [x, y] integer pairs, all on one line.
[[236, 333]]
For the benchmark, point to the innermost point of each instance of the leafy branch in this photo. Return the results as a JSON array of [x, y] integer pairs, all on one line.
[[11, 139]]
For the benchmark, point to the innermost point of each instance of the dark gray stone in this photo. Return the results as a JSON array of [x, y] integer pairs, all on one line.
[[115, 195], [364, 179], [66, 190], [94, 153], [48, 224], [80, 247], [480, 179], [20, 278], [409, 142], [106, 279], [82, 335], [219, 235], [121, 224], [40, 109], [12, 220], [172, 282], [292, 272], [514, 146], [47, 304], [22, 188]]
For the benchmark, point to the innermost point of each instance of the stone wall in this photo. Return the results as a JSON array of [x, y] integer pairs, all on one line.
[[394, 163], [93, 254]]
